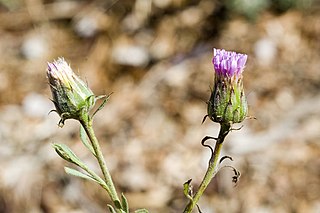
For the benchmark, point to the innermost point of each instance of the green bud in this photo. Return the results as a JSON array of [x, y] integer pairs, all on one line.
[[71, 96]]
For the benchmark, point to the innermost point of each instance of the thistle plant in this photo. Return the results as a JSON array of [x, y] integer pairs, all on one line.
[[227, 105], [73, 99]]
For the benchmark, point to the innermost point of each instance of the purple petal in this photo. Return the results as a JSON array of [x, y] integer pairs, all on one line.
[[228, 63]]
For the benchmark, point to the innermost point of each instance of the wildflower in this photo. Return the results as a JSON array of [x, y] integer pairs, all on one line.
[[71, 96], [228, 103]]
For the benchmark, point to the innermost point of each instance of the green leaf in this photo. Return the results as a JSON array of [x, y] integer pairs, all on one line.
[[66, 153], [111, 209], [85, 141], [125, 205], [77, 173], [106, 98], [141, 211], [187, 189]]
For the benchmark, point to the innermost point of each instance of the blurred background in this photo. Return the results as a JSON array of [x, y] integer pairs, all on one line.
[[155, 56]]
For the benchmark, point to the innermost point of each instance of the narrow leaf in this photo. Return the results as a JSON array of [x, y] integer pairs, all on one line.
[[106, 98], [141, 211], [187, 189], [67, 154], [125, 205], [85, 141], [77, 173], [111, 209]]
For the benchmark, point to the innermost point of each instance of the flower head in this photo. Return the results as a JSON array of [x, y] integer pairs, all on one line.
[[227, 63], [71, 96], [228, 103]]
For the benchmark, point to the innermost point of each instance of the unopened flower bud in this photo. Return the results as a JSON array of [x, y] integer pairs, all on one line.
[[71, 96], [228, 102]]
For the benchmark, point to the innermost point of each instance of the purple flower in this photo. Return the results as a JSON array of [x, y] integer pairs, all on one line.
[[228, 63], [227, 103]]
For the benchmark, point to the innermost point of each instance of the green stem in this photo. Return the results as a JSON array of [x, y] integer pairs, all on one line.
[[212, 168], [86, 122]]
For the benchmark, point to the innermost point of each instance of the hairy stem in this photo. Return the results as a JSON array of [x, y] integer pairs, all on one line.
[[86, 122], [212, 168]]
